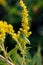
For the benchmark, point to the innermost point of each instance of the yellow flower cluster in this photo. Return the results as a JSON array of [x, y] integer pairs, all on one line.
[[2, 30], [25, 27], [6, 28]]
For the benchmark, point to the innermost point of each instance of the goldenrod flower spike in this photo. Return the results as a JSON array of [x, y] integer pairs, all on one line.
[[25, 23]]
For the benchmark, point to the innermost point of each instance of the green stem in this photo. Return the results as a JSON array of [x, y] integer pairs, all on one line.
[[23, 62], [3, 48], [19, 44]]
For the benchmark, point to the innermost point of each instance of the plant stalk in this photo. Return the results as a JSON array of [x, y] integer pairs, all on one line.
[[6, 60]]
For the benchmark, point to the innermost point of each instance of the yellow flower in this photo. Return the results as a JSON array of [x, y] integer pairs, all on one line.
[[10, 29], [14, 36], [25, 22], [2, 35], [2, 31], [6, 28]]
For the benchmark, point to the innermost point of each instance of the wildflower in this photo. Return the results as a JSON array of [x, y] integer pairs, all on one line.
[[5, 28], [2, 31], [25, 23], [10, 29], [2, 35], [14, 36]]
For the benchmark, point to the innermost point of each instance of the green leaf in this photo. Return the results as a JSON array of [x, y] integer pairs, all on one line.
[[16, 58], [37, 58], [12, 51]]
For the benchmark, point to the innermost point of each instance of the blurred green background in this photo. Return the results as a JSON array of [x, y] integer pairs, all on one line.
[[10, 11]]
